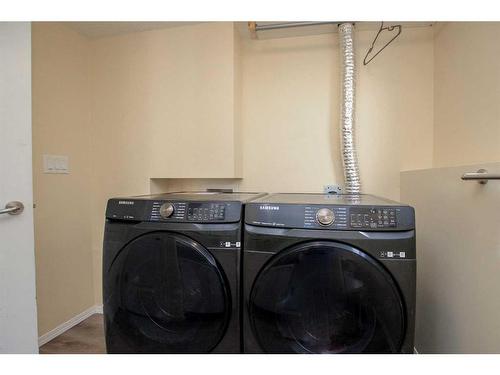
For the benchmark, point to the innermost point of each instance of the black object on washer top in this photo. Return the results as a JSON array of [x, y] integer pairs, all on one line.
[[185, 207], [330, 211]]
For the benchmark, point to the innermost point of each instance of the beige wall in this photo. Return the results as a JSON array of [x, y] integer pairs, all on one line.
[[291, 111], [467, 93], [61, 126]]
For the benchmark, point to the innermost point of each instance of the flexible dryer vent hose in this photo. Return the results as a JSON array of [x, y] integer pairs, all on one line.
[[348, 72]]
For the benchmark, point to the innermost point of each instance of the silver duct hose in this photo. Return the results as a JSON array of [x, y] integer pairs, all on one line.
[[348, 72]]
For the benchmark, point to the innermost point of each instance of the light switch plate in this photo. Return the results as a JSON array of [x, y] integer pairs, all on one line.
[[55, 164]]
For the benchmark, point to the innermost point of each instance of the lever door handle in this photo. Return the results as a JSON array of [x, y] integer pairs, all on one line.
[[13, 208], [482, 176]]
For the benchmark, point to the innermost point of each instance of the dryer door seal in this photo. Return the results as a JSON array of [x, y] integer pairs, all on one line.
[[326, 297], [165, 293]]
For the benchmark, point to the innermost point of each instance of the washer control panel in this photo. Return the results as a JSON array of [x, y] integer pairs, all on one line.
[[188, 211]]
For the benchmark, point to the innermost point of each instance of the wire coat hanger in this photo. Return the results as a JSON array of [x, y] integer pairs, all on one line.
[[382, 28]]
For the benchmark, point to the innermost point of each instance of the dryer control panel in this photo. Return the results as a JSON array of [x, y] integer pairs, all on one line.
[[174, 211], [333, 217]]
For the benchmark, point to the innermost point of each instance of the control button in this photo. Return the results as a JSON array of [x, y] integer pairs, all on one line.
[[325, 216], [166, 210]]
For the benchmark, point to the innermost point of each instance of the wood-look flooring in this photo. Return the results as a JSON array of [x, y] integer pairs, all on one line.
[[86, 337]]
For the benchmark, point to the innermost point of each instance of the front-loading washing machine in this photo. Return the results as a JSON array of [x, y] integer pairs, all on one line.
[[328, 274], [171, 273]]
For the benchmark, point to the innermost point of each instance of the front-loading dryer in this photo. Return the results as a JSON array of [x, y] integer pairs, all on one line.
[[171, 273], [328, 274]]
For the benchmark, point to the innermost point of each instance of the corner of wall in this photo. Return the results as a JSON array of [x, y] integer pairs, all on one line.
[[237, 101]]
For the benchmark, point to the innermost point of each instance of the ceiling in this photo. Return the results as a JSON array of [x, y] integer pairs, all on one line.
[[104, 29], [321, 29]]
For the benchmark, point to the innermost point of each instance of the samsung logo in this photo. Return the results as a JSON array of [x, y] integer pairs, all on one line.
[[126, 202], [269, 208]]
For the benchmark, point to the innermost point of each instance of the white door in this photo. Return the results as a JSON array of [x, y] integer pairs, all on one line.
[[18, 329]]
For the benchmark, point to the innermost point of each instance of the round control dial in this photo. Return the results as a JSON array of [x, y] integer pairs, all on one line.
[[325, 216], [166, 210]]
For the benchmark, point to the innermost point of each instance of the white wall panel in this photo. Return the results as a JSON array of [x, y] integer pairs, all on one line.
[[458, 259]]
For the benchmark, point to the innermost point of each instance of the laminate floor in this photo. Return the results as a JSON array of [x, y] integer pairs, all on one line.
[[86, 337]]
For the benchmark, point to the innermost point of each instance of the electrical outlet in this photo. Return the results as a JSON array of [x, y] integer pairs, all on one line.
[[332, 189]]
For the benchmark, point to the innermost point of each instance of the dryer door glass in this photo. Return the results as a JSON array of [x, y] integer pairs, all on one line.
[[324, 297], [167, 295]]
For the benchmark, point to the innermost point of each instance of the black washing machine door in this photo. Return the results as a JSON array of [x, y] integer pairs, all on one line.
[[167, 295], [326, 297]]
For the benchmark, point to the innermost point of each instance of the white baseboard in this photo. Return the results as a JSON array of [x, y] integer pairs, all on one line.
[[60, 329]]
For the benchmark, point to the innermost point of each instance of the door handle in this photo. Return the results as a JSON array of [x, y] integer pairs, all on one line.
[[482, 176], [13, 208]]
